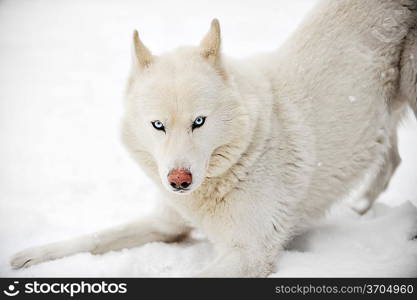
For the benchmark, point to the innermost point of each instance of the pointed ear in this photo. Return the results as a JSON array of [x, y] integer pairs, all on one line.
[[142, 56], [210, 45]]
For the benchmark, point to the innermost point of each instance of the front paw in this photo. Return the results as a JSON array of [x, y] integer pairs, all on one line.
[[28, 257]]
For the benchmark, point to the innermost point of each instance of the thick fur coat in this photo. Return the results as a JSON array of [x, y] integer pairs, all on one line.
[[286, 134]]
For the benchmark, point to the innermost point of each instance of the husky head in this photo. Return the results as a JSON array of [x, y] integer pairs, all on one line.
[[183, 122]]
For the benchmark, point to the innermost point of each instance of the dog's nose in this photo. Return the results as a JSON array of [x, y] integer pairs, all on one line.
[[180, 178]]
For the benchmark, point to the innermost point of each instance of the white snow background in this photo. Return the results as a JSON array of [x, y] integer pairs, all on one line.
[[64, 172]]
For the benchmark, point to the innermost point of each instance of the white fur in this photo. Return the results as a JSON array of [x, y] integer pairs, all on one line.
[[286, 134]]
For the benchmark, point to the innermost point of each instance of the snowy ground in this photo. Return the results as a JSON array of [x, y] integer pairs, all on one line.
[[64, 172]]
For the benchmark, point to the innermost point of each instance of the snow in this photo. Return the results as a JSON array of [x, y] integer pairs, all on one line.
[[64, 171]]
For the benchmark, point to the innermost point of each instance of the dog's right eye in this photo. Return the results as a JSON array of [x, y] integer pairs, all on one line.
[[158, 125]]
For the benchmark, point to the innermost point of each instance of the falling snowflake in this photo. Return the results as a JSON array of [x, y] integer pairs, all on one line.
[[352, 98]]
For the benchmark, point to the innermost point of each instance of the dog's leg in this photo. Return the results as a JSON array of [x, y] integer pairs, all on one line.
[[165, 225], [381, 181], [408, 78], [407, 92], [249, 242], [250, 252], [235, 262]]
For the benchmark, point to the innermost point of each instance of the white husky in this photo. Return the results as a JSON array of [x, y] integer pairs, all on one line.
[[250, 151]]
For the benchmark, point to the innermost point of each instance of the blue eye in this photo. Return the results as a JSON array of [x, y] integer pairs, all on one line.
[[198, 122], [158, 125]]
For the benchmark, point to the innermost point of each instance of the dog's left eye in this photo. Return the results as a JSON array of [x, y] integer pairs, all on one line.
[[198, 122]]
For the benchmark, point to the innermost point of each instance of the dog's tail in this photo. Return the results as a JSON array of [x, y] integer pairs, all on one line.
[[408, 73]]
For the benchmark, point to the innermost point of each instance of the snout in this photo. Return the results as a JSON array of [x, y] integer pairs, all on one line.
[[180, 179]]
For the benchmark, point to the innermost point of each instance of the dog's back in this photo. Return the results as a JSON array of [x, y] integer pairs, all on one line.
[[351, 75]]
